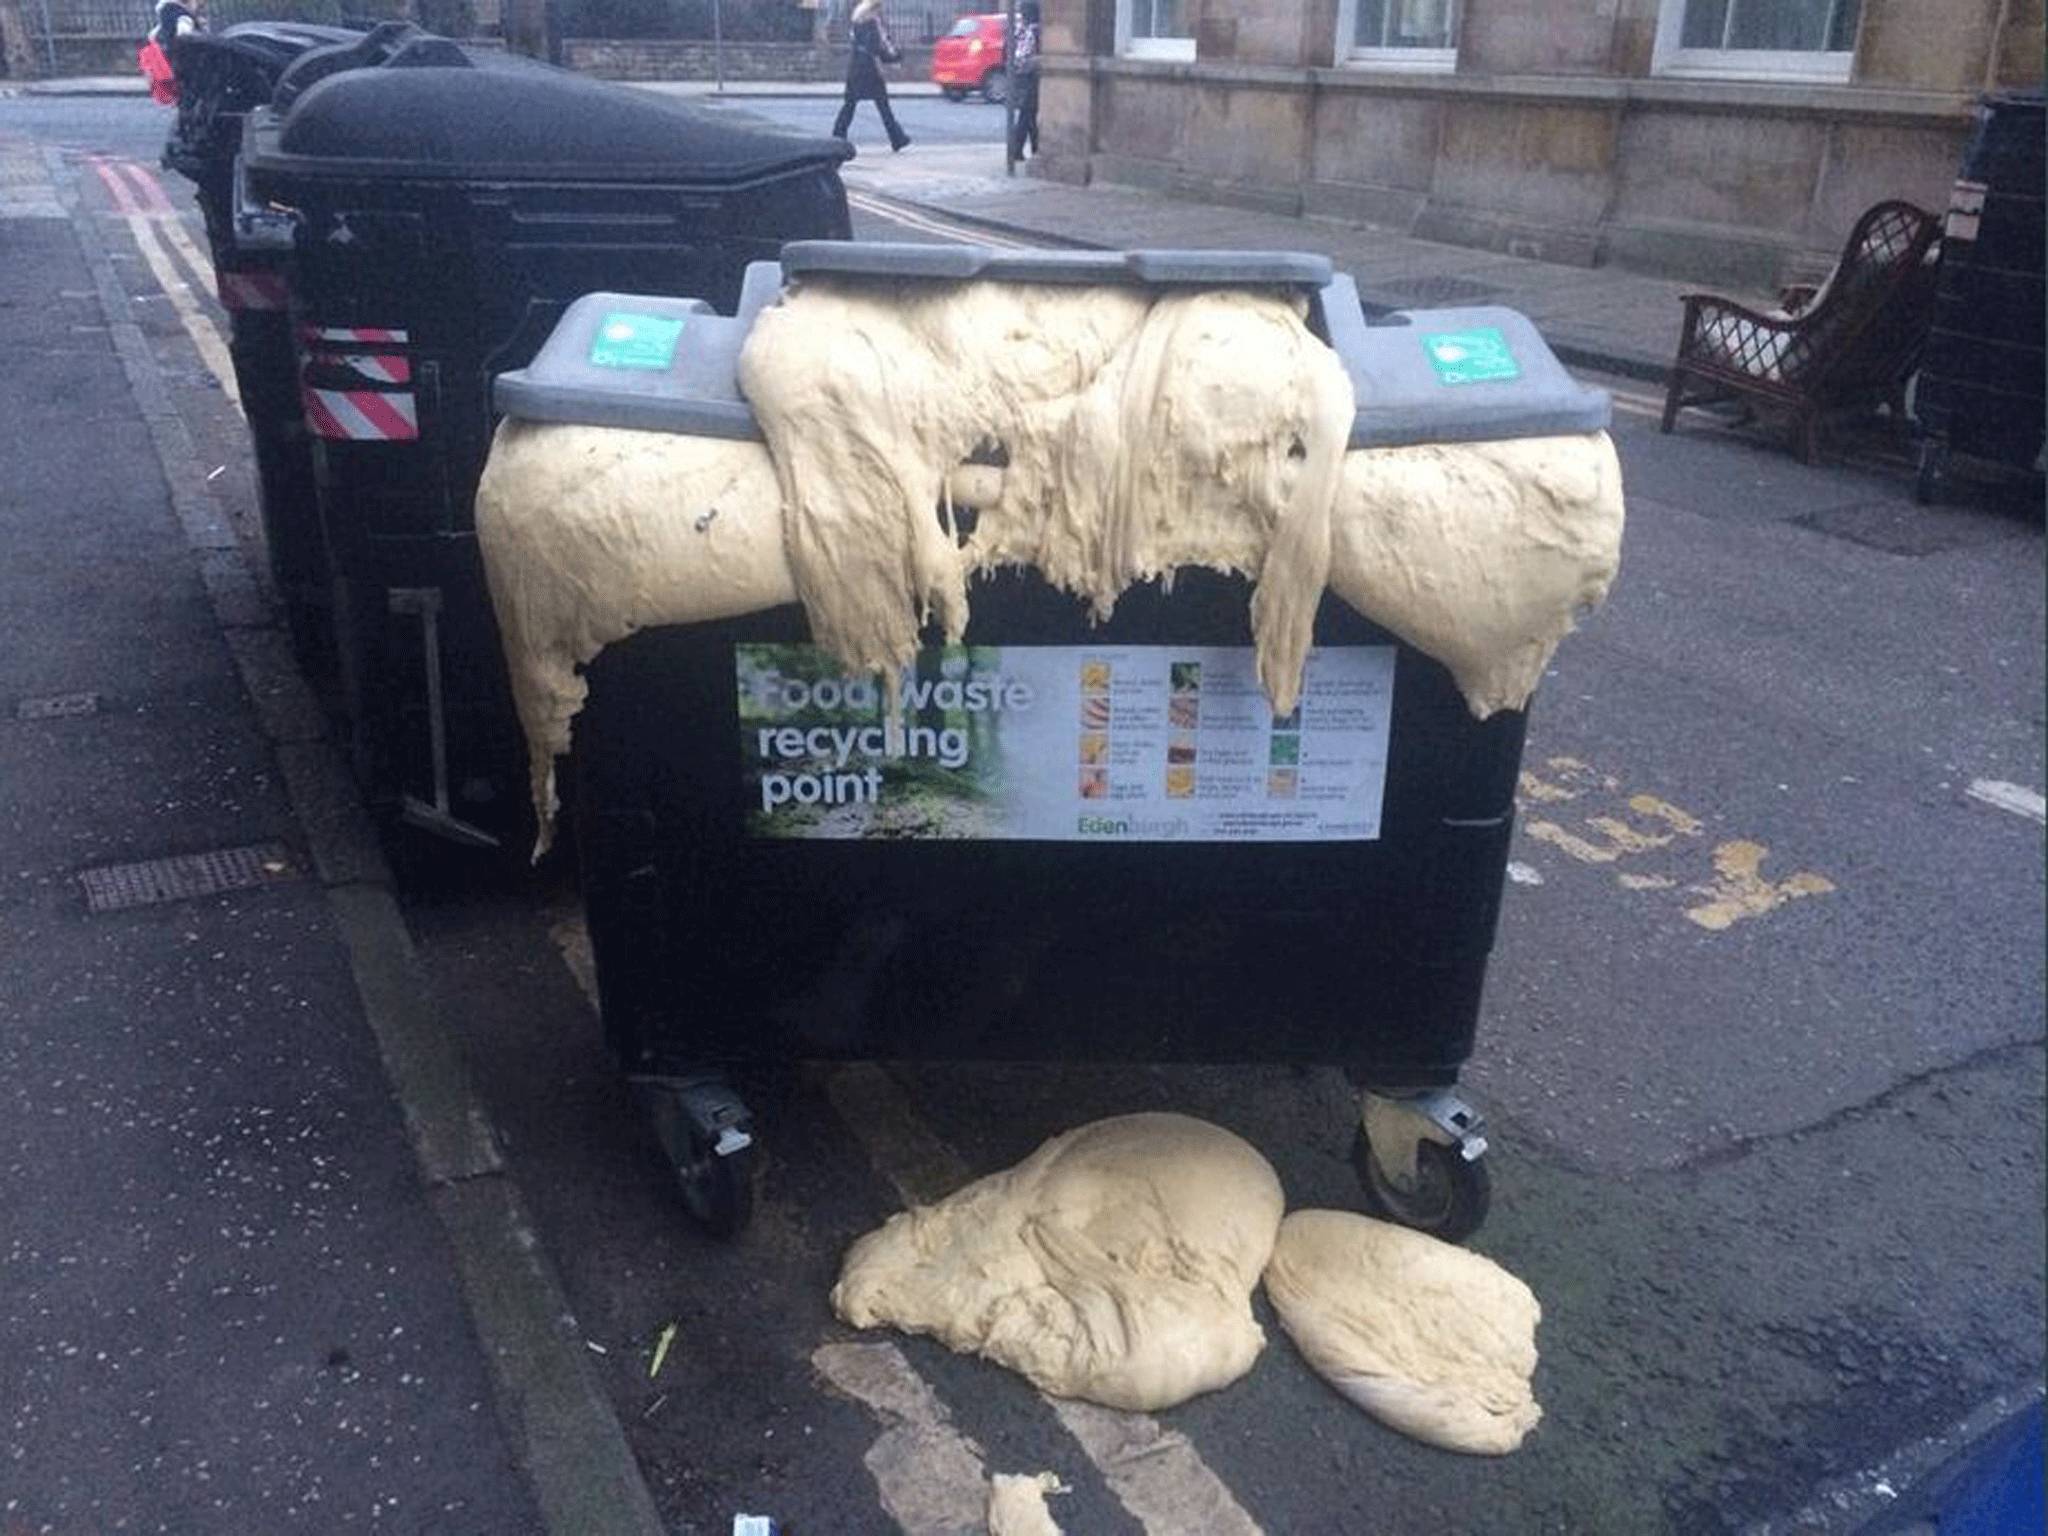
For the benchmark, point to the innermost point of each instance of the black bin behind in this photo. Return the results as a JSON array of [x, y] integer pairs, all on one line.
[[1981, 386], [222, 77], [446, 214]]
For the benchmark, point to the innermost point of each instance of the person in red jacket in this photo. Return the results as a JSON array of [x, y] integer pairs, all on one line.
[[173, 20]]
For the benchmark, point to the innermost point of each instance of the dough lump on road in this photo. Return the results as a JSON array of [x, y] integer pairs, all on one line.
[[1434, 1340], [1115, 1264]]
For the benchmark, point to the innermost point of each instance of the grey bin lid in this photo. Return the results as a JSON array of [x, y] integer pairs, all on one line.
[[1420, 375], [676, 369], [960, 263], [1453, 375]]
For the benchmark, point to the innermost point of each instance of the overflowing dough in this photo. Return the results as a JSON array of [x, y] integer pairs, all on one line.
[[1480, 554], [1143, 432], [1016, 1504], [1437, 1341], [1116, 1263], [589, 534]]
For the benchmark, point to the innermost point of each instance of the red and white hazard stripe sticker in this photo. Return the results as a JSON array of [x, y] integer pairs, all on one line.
[[373, 333], [361, 415], [251, 290], [377, 367]]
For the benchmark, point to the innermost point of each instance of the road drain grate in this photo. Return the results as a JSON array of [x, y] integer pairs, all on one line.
[[116, 887], [58, 706]]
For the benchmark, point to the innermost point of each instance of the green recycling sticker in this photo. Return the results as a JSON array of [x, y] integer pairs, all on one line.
[[627, 340], [1471, 357]]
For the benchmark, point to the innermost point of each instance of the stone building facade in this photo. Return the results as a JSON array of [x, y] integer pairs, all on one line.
[[1728, 139]]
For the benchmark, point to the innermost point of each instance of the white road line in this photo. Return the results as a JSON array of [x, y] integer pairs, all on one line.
[[929, 1475], [2016, 798], [899, 1144], [1155, 1472]]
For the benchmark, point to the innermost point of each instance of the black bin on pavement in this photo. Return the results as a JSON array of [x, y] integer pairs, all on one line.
[[222, 77], [1981, 386], [448, 204], [1337, 906]]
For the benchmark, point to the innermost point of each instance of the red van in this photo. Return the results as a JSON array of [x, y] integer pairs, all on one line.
[[970, 58]]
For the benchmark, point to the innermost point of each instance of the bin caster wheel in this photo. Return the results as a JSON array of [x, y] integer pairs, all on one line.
[[705, 1131], [1418, 1161], [1450, 1198], [718, 1191]]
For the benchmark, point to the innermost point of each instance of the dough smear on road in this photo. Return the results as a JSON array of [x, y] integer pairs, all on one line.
[[1116, 1263], [1437, 1341], [1016, 1504]]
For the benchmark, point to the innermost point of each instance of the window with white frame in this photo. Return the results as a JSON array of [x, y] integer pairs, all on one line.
[[1810, 40], [1156, 29], [1398, 34]]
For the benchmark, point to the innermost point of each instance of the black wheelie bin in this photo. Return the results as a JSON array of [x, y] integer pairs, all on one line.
[[447, 204], [222, 77], [1136, 862], [1980, 393]]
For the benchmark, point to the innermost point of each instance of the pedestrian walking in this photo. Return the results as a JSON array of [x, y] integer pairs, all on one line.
[[1024, 80], [173, 21], [871, 49]]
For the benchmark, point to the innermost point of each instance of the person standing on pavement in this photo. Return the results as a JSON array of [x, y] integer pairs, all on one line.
[[174, 19], [871, 49], [1024, 80]]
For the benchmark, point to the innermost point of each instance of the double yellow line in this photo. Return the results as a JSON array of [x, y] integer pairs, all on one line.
[[932, 224], [149, 213]]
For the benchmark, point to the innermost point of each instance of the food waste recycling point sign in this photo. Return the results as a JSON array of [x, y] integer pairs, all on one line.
[[1064, 743]]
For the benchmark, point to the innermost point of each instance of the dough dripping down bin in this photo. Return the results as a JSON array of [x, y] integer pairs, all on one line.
[[1081, 840]]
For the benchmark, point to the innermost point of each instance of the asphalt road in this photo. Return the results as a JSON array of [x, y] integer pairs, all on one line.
[[1761, 1053]]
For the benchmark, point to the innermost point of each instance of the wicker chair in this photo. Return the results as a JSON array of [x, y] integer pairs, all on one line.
[[1854, 342]]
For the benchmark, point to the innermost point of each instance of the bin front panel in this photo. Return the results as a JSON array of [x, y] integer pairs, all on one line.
[[715, 945]]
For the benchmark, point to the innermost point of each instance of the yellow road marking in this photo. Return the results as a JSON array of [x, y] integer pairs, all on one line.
[[205, 339], [1738, 890], [1742, 892], [1627, 838], [200, 266], [1645, 882], [1666, 812], [931, 224], [142, 225], [1571, 843], [1533, 788]]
